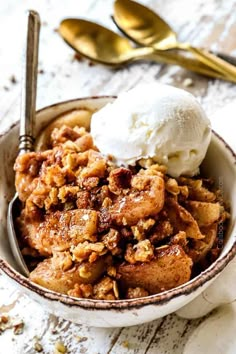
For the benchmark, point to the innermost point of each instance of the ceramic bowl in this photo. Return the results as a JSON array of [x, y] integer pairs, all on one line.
[[219, 164]]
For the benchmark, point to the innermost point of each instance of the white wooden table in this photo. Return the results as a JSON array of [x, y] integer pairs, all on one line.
[[210, 23]]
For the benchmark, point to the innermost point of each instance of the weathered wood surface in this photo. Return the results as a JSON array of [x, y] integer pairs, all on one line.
[[209, 23]]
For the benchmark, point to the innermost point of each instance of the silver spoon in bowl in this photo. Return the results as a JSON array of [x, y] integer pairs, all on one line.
[[27, 121]]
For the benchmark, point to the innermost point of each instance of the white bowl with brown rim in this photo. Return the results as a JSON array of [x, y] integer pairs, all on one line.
[[220, 163]]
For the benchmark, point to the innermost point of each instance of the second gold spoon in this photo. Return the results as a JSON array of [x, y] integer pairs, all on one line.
[[146, 28]]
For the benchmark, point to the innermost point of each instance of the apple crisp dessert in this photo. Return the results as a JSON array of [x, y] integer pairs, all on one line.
[[90, 229]]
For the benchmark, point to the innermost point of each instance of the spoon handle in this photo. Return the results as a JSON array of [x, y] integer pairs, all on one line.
[[29, 83], [229, 58], [213, 61], [175, 58]]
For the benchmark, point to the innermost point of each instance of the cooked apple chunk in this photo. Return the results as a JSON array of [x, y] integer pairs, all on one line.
[[146, 198], [61, 230], [51, 275], [202, 247], [170, 268], [204, 213], [182, 220]]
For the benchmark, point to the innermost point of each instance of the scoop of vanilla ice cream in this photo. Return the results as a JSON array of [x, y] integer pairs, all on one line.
[[154, 121]]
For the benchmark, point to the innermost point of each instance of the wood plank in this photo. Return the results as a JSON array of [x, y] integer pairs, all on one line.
[[136, 339], [172, 335]]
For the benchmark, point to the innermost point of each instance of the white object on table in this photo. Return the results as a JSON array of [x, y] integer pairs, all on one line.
[[216, 335]]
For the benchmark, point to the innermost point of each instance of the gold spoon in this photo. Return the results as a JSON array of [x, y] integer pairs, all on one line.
[[101, 45], [146, 28]]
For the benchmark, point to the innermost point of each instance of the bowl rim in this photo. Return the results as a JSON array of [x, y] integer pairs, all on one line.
[[161, 298]]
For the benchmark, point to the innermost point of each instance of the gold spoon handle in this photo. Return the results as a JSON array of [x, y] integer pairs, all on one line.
[[200, 68], [229, 58], [211, 60], [172, 57]]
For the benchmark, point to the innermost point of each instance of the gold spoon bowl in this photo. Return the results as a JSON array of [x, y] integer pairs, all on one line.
[[95, 42]]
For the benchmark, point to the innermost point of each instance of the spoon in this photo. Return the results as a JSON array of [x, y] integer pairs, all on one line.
[[101, 45], [146, 28], [26, 140]]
